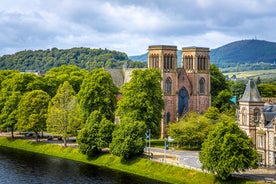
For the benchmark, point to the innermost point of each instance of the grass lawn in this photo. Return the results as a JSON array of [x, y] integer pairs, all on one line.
[[139, 166]]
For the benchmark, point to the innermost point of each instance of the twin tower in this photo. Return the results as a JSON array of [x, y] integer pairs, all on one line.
[[184, 89]]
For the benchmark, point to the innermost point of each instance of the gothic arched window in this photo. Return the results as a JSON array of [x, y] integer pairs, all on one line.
[[202, 86], [168, 86]]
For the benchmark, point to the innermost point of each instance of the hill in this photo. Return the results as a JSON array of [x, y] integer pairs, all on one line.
[[245, 51], [236, 53], [86, 58]]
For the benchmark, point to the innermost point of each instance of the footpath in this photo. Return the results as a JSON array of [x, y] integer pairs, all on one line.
[[189, 159]]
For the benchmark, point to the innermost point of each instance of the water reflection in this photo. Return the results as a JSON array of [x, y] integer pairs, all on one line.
[[26, 167]]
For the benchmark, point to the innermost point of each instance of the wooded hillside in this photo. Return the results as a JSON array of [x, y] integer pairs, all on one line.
[[86, 58]]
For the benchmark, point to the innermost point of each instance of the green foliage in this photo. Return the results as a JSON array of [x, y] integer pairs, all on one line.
[[267, 90], [32, 111], [237, 88], [98, 92], [226, 150], [218, 81], [8, 115], [86, 58], [64, 113], [190, 130], [95, 135], [212, 113], [58, 75], [128, 138], [142, 99], [222, 100]]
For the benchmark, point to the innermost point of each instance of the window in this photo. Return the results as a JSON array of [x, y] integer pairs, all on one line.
[[275, 144], [260, 141], [168, 86], [154, 61], [256, 115], [202, 86]]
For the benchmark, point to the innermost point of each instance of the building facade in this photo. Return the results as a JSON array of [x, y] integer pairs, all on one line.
[[184, 89], [258, 121]]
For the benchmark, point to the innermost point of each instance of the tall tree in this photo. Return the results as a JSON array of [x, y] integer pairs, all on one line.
[[32, 111], [98, 92], [8, 115], [64, 113], [128, 138], [142, 99], [95, 135], [218, 81], [226, 150]]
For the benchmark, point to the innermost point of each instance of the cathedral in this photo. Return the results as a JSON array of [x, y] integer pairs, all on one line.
[[184, 89]]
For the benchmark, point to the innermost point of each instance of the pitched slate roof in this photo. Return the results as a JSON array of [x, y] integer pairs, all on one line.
[[251, 93]]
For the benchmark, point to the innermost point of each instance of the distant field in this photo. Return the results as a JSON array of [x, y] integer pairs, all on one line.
[[263, 74]]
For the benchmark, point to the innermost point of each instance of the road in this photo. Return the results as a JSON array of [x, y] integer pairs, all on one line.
[[176, 157]]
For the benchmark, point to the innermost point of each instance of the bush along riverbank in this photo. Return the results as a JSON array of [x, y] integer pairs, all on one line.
[[138, 166]]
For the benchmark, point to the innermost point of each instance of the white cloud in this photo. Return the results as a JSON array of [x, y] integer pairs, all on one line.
[[130, 25]]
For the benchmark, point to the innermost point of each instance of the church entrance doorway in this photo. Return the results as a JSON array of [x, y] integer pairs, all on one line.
[[182, 102]]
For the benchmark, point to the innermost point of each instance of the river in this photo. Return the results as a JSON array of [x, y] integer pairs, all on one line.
[[18, 166]]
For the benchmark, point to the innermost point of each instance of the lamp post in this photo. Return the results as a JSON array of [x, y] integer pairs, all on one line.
[[148, 139]]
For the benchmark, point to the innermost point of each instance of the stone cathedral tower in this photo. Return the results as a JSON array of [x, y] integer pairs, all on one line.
[[186, 88]]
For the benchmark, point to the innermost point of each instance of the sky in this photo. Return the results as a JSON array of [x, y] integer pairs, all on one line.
[[130, 26]]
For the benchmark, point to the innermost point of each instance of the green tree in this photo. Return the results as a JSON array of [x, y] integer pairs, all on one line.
[[212, 113], [142, 99], [267, 90], [128, 138], [218, 81], [64, 113], [32, 111], [95, 135], [59, 75], [237, 88], [191, 130], [226, 150], [8, 115], [98, 92], [222, 101]]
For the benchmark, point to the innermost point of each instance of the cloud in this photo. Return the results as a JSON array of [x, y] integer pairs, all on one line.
[[131, 25]]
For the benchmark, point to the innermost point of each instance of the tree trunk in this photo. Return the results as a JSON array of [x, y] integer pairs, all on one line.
[[12, 134], [65, 142], [36, 137]]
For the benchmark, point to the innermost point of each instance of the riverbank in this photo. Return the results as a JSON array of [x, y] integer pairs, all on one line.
[[138, 166]]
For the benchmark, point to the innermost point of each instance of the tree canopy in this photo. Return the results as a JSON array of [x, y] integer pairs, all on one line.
[[128, 138], [192, 129], [64, 113], [142, 99], [32, 111], [98, 92], [58, 75], [95, 135], [227, 149]]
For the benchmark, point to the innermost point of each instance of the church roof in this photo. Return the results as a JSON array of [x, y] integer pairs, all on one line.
[[117, 76], [251, 93]]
